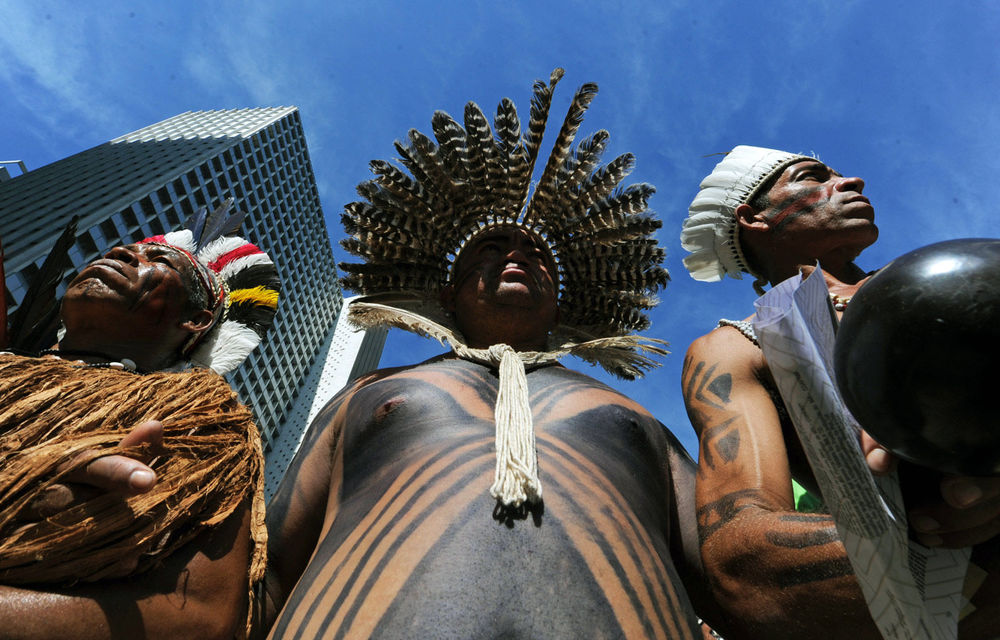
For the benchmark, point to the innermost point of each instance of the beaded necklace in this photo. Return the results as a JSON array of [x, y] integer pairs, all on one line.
[[124, 363], [839, 303]]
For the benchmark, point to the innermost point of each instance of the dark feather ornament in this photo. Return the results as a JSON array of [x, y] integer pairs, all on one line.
[[409, 227], [34, 324]]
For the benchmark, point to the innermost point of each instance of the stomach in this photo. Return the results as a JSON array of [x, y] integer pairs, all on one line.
[[421, 550]]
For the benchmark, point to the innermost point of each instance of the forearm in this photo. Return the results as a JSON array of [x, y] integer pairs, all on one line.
[[781, 574], [201, 591], [104, 612]]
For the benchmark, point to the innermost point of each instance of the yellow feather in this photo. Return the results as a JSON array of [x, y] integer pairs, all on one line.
[[260, 296]]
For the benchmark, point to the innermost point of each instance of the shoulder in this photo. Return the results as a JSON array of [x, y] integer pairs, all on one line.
[[728, 346]]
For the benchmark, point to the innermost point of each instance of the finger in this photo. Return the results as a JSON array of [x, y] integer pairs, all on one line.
[[944, 521], [147, 435], [964, 538], [118, 474], [56, 498], [966, 492], [879, 460], [52, 500]]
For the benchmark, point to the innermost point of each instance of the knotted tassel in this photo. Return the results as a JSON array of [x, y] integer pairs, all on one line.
[[515, 479], [516, 476]]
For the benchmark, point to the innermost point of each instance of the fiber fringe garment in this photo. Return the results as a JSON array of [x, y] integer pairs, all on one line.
[[52, 410]]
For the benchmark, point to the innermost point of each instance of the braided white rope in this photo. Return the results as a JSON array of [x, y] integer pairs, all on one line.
[[515, 478]]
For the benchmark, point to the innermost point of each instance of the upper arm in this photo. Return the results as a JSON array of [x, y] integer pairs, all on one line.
[[742, 454], [305, 502], [684, 548], [776, 573]]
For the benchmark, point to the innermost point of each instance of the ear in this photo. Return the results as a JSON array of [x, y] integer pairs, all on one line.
[[749, 218], [199, 321], [447, 298]]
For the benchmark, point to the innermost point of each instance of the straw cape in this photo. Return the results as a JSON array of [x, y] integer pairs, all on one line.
[[410, 228], [52, 411]]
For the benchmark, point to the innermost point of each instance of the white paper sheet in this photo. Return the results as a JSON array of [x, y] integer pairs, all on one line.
[[913, 592]]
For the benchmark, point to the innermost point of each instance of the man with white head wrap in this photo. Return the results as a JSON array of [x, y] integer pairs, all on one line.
[[772, 552], [491, 492]]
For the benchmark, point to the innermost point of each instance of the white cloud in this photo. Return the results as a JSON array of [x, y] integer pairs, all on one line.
[[48, 70]]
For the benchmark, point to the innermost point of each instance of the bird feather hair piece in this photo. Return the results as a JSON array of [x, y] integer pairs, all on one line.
[[410, 228], [34, 323]]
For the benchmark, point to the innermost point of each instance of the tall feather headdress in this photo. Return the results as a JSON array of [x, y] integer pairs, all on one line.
[[410, 227]]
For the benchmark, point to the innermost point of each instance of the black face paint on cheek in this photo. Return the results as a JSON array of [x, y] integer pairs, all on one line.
[[793, 207]]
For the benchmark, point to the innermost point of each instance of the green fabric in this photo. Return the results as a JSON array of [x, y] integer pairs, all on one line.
[[805, 502]]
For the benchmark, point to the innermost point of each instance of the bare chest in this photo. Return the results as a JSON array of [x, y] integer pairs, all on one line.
[[420, 549]]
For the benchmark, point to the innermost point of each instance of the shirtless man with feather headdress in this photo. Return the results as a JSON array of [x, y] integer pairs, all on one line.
[[492, 492]]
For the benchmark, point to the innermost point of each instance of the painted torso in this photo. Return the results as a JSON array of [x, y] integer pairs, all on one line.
[[417, 548]]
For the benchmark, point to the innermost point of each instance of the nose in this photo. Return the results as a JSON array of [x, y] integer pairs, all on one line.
[[122, 254], [516, 254], [851, 184]]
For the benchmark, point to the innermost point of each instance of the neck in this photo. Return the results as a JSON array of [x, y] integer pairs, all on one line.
[[94, 352], [479, 336], [519, 344], [842, 273], [842, 285], [485, 326]]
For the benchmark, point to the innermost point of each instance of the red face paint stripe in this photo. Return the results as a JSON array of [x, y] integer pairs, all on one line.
[[806, 202]]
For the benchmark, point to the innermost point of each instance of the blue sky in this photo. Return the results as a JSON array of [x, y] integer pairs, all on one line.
[[903, 94]]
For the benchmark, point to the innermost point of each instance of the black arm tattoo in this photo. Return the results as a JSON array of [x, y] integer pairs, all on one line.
[[703, 387], [715, 515], [804, 539]]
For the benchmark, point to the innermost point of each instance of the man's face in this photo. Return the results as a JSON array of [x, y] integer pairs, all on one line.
[[136, 290], [507, 267], [810, 199]]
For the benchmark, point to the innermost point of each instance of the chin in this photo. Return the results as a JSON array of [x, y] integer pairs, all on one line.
[[874, 235]]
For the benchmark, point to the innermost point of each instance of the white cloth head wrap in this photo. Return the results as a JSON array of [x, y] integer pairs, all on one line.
[[710, 232]]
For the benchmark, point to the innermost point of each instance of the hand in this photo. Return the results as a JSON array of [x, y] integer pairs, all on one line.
[[968, 515], [964, 512], [126, 475]]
